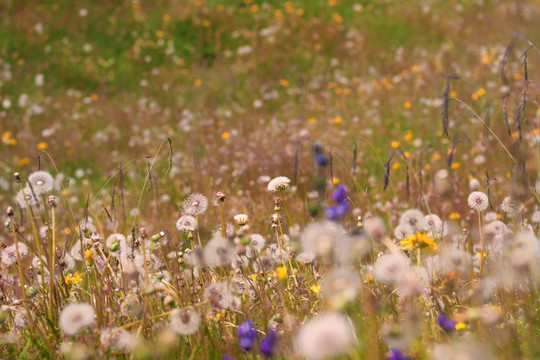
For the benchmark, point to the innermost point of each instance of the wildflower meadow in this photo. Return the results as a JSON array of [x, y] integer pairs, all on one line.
[[263, 179]]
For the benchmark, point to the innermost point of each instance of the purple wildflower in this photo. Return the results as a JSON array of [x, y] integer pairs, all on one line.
[[445, 322], [396, 354], [339, 194], [266, 347], [246, 334]]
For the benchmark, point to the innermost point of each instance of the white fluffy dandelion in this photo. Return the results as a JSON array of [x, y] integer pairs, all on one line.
[[41, 181], [195, 204], [278, 183], [76, 317], [328, 335], [184, 321], [413, 218], [9, 254], [186, 223], [478, 201], [219, 251], [390, 267]]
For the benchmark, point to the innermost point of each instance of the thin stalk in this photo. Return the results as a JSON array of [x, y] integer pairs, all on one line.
[[286, 208], [481, 242], [222, 219]]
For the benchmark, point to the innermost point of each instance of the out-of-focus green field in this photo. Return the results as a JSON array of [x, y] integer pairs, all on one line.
[[235, 84]]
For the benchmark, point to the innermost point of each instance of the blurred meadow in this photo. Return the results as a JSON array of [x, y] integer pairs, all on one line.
[[365, 178]]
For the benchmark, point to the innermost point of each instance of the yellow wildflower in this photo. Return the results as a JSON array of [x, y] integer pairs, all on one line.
[[72, 279], [316, 288], [420, 240], [281, 272]]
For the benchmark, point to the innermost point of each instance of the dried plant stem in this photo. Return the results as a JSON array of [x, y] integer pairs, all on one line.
[[291, 224], [221, 219], [21, 278], [481, 242], [52, 264]]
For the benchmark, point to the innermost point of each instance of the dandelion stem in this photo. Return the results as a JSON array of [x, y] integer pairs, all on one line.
[[481, 242], [221, 219], [286, 208]]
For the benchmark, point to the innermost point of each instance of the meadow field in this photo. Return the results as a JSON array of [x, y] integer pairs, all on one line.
[[249, 179]]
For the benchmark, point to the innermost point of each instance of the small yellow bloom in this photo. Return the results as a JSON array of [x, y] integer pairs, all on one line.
[[160, 33], [72, 279], [455, 166], [420, 240], [312, 121], [394, 144], [6, 135], [42, 145], [335, 180], [337, 120], [415, 68], [337, 18], [478, 255], [94, 97], [23, 161], [452, 93], [455, 216], [408, 135], [206, 23], [395, 166], [254, 8], [225, 135], [407, 105], [284, 82], [253, 276], [281, 272], [166, 17], [316, 288], [88, 255], [197, 82], [460, 325]]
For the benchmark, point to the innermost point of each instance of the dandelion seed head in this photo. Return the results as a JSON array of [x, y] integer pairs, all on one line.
[[257, 242], [184, 321], [305, 257], [118, 338], [413, 218], [403, 231], [478, 201], [219, 251], [195, 204], [328, 335], [389, 268], [186, 223], [221, 295], [321, 238], [25, 196], [278, 183], [20, 320], [76, 317], [511, 206], [9, 254], [375, 229], [42, 182]]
